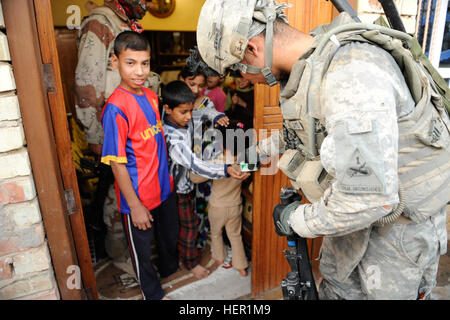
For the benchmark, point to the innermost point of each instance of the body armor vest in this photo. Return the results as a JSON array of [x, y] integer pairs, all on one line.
[[424, 142]]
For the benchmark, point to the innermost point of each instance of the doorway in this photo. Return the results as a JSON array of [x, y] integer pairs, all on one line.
[[35, 60], [113, 280], [58, 107]]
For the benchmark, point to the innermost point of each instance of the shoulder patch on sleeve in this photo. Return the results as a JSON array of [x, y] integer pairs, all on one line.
[[359, 177]]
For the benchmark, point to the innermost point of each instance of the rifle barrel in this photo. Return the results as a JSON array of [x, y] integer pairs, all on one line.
[[343, 5], [392, 15]]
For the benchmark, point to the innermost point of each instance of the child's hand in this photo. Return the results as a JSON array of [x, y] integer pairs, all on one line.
[[242, 103], [236, 100], [141, 217], [223, 122], [237, 174]]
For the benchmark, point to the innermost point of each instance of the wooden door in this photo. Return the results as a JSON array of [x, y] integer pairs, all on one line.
[[269, 266], [58, 110], [39, 89], [66, 42]]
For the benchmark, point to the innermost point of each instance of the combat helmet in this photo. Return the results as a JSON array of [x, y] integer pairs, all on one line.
[[224, 28]]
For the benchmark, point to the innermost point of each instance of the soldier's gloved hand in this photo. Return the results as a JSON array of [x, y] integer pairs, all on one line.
[[281, 215]]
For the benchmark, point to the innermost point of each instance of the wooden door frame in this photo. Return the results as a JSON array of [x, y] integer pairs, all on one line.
[[34, 57]]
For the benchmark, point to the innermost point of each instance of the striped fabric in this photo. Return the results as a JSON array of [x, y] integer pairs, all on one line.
[[187, 238], [182, 159], [134, 136]]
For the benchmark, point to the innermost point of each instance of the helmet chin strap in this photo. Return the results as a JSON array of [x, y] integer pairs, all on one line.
[[270, 15], [268, 75]]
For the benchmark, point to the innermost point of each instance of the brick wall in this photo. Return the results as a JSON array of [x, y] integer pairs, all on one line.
[[26, 270], [370, 10]]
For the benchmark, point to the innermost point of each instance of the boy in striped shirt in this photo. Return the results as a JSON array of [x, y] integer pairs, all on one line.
[[178, 102]]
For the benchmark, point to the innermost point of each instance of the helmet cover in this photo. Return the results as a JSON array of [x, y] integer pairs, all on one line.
[[225, 26], [222, 32]]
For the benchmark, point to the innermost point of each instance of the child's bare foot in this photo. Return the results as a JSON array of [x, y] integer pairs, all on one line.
[[218, 262], [166, 298], [243, 272], [200, 272], [180, 265]]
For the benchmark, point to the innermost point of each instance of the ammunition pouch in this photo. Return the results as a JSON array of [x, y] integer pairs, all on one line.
[[307, 175]]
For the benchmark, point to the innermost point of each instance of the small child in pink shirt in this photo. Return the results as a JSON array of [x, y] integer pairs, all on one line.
[[214, 91]]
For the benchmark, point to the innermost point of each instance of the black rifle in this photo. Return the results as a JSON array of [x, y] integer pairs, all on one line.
[[342, 5], [299, 283], [392, 15]]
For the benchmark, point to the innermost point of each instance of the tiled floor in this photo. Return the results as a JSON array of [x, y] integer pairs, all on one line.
[[115, 286]]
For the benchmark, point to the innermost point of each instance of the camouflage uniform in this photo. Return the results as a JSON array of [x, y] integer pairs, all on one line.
[[363, 94], [95, 80], [350, 100]]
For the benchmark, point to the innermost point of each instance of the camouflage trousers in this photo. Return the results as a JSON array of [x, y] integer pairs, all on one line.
[[400, 264]]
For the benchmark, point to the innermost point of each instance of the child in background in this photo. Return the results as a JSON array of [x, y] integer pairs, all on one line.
[[204, 112], [196, 82], [135, 148], [214, 91], [225, 211], [240, 102], [204, 116], [178, 102]]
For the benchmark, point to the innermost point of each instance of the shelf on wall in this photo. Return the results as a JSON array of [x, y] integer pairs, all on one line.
[[170, 49]]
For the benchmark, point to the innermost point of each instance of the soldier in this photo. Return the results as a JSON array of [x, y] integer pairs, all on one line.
[[347, 108], [95, 80]]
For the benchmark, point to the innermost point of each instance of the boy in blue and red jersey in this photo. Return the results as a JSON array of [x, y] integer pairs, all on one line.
[[135, 148]]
